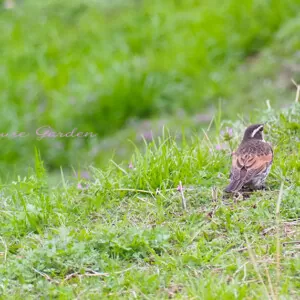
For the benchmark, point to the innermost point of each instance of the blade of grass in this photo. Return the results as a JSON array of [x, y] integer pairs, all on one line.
[[255, 265], [278, 246]]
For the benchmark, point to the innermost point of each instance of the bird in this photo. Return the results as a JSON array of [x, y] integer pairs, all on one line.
[[251, 162]]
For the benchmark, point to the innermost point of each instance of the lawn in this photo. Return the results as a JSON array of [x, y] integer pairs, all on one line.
[[101, 66], [124, 234], [139, 212]]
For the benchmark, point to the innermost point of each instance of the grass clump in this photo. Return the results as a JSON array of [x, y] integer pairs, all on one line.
[[95, 65], [124, 234]]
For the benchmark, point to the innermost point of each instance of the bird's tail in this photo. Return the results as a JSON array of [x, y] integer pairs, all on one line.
[[234, 186]]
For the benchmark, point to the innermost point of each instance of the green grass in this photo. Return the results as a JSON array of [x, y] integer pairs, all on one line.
[[123, 234], [180, 72], [96, 65]]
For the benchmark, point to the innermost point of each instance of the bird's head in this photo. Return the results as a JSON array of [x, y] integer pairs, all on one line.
[[254, 132]]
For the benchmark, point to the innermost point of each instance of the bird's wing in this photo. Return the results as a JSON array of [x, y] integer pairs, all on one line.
[[247, 165]]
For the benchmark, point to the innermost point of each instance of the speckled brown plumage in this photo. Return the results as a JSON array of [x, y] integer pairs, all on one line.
[[251, 162]]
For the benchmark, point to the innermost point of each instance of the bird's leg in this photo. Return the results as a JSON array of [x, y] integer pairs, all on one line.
[[248, 188], [263, 187]]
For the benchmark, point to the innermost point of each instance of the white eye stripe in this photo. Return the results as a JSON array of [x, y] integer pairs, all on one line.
[[256, 130]]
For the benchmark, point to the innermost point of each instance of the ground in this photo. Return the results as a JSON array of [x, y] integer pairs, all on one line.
[[150, 221], [123, 233]]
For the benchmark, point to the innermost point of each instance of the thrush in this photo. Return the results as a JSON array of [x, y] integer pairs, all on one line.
[[251, 162]]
